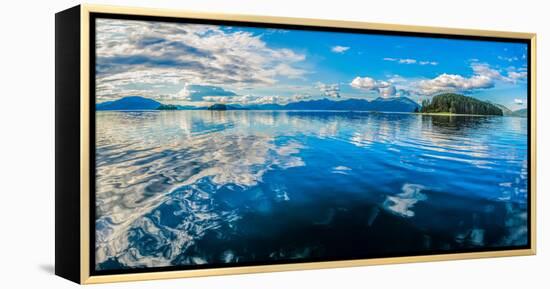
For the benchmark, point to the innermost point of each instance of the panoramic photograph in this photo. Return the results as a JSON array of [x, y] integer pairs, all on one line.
[[225, 145]]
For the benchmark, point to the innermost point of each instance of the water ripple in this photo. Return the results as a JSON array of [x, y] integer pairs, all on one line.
[[167, 181]]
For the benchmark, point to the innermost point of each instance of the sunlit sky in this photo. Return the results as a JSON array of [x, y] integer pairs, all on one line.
[[199, 64]]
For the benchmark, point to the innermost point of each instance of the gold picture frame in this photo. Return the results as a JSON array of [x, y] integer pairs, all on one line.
[[80, 16]]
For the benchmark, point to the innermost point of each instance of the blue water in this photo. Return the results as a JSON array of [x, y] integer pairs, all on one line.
[[203, 188]]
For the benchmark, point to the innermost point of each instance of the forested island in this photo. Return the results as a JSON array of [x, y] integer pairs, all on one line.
[[459, 104]]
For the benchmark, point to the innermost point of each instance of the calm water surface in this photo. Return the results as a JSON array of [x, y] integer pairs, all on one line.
[[220, 187]]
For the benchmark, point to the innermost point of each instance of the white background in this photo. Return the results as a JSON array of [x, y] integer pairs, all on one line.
[[27, 144]]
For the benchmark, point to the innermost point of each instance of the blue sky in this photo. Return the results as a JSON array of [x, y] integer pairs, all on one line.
[[198, 64]]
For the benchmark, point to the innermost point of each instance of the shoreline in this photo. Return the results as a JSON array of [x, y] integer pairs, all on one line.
[[313, 110], [453, 114]]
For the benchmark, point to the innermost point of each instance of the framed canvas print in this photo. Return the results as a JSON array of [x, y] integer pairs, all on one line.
[[193, 144]]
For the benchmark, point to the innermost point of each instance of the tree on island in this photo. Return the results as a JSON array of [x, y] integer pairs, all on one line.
[[458, 104]]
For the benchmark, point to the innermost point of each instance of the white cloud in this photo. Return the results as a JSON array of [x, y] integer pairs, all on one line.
[[428, 63], [238, 99], [410, 61], [396, 78], [134, 56], [484, 76], [193, 92], [300, 97], [330, 90], [184, 93], [339, 49], [517, 75], [387, 91], [384, 88], [366, 83], [509, 59], [257, 99], [453, 82], [407, 61], [485, 70]]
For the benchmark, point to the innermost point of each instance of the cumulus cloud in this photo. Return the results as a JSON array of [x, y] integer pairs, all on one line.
[[193, 92], [330, 90], [410, 61], [366, 83], [299, 97], [517, 75], [257, 99], [339, 49], [484, 77], [454, 82], [484, 69], [384, 88], [133, 56], [387, 91]]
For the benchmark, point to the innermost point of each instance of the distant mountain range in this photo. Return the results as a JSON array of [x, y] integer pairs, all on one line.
[[129, 103], [396, 104], [519, 113], [507, 112], [393, 104]]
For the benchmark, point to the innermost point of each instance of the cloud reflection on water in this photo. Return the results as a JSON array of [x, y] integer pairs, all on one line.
[[134, 179], [160, 174]]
